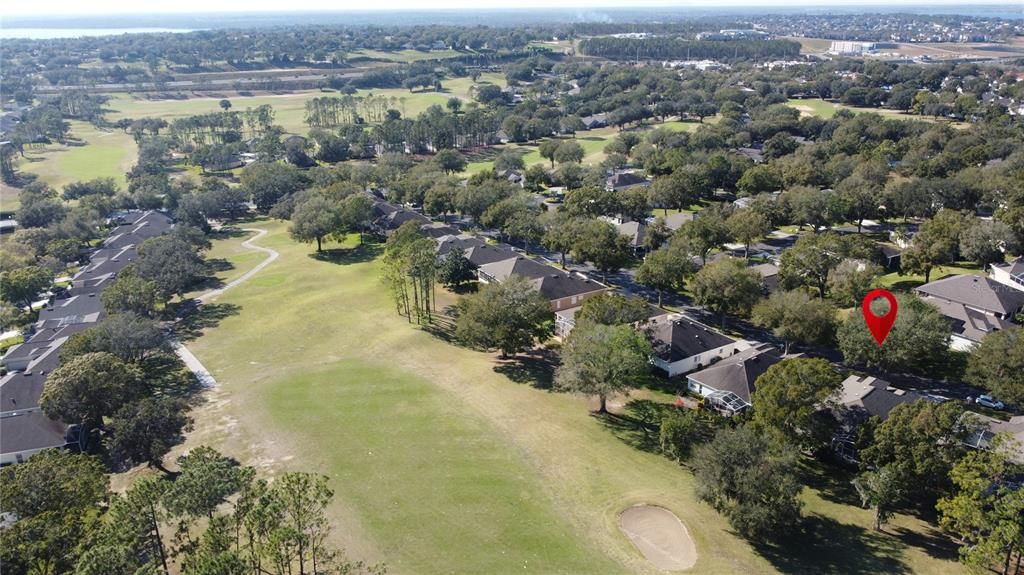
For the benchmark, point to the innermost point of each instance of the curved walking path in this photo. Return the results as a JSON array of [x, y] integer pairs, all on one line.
[[190, 360], [271, 256]]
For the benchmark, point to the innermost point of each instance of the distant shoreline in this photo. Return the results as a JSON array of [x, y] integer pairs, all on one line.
[[92, 24], [55, 33]]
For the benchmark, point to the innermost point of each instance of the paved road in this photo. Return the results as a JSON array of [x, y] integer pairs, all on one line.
[[190, 360], [625, 281]]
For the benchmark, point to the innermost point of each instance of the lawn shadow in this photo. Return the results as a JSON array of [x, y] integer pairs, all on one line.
[[198, 318], [658, 382], [824, 545], [227, 232], [442, 325], [933, 542], [833, 483], [637, 425], [905, 285], [535, 367], [214, 266], [168, 377], [346, 256]]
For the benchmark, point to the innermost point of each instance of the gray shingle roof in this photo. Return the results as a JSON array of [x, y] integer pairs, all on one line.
[[738, 373], [976, 291], [30, 431], [479, 255], [871, 397], [676, 220], [23, 427], [676, 337], [966, 322], [626, 180], [551, 282], [635, 231], [1014, 268]]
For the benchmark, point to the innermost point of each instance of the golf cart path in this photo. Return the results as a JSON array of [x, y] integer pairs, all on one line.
[[271, 256], [190, 360]]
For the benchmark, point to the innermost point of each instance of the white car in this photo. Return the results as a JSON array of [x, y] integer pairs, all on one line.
[[989, 402]]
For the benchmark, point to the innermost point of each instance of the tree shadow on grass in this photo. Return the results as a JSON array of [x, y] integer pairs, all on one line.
[[535, 367], [227, 232], [658, 382], [933, 542], [214, 266], [637, 425], [832, 482], [442, 325], [825, 545], [166, 376], [346, 256], [202, 317], [905, 285]]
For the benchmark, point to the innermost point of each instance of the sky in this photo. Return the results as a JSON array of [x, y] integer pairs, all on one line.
[[97, 7]]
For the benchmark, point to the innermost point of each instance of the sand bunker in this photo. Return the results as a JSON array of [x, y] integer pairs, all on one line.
[[660, 536]]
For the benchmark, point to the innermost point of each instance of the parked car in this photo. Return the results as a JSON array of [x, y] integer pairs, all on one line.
[[989, 402]]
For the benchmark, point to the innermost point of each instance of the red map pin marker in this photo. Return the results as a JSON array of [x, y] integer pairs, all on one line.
[[880, 326]]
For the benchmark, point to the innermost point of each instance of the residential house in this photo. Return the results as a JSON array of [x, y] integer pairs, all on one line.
[[1011, 274], [24, 428], [985, 428], [864, 397], [754, 154], [563, 290], [974, 305], [436, 230], [513, 177], [622, 180], [769, 273], [635, 232], [462, 242], [676, 220], [489, 254], [595, 121], [392, 219], [22, 436], [565, 319], [682, 344], [892, 255], [727, 386]]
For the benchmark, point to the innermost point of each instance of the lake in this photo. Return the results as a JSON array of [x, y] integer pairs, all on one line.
[[49, 33]]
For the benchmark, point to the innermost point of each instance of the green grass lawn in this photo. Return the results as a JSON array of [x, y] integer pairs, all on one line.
[[908, 282], [448, 460], [405, 56], [827, 109], [105, 154], [592, 141], [289, 109], [9, 201]]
